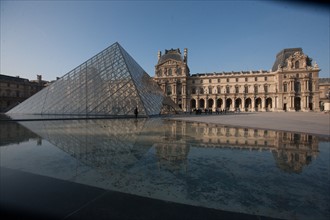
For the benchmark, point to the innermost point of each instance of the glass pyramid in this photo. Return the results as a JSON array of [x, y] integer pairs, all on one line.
[[110, 83]]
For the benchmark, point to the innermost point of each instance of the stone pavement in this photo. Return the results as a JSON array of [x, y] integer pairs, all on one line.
[[303, 122]]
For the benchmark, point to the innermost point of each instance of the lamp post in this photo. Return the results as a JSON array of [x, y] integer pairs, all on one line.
[[327, 103]]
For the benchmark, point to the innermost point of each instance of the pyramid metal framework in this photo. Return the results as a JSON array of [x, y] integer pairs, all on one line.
[[110, 83]]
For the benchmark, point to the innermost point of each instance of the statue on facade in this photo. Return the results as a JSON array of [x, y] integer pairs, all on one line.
[[289, 61], [304, 62]]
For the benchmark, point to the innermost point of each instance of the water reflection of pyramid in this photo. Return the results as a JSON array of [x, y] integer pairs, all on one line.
[[110, 83]]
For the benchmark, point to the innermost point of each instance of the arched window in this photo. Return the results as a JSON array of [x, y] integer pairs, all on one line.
[[285, 87], [179, 71], [266, 88], [296, 64], [297, 86], [168, 90], [170, 72]]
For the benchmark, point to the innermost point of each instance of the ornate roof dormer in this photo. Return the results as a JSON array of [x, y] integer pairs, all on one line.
[[292, 59], [172, 63], [297, 61]]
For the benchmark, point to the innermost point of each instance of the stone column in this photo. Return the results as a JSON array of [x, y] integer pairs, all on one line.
[[274, 103], [243, 105], [214, 107], [263, 104], [291, 104], [224, 102]]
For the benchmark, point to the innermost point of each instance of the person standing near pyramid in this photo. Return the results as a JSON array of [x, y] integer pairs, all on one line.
[[136, 112]]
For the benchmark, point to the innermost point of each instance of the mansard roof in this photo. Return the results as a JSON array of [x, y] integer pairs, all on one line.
[[324, 80], [231, 73], [173, 54], [284, 54]]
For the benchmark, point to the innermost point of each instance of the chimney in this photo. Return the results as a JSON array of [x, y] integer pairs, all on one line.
[[39, 78], [185, 55], [159, 54]]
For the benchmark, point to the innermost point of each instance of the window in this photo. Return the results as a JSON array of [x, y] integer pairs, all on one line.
[[227, 79], [266, 88], [219, 90], [236, 79], [168, 90], [201, 91], [227, 89], [193, 82], [255, 78], [310, 85], [193, 91], [170, 72], [256, 89], [179, 71], [285, 87], [210, 90], [246, 79], [218, 80], [210, 80], [246, 89], [265, 78], [236, 89], [201, 81], [297, 86]]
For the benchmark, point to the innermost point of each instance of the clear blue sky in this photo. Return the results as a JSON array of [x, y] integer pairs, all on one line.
[[53, 37]]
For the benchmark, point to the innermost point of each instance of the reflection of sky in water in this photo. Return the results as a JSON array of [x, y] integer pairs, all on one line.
[[270, 173]]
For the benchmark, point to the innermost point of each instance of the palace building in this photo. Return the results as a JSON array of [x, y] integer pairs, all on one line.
[[291, 85]]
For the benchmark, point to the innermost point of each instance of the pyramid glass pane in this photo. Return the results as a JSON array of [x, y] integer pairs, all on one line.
[[110, 83]]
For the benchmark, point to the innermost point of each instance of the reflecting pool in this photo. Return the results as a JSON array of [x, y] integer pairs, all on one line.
[[263, 172]]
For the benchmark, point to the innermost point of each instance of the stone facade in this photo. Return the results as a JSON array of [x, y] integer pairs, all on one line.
[[291, 85], [14, 90], [324, 88]]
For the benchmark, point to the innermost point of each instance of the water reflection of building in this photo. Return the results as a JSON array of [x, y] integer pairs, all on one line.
[[172, 148], [172, 155], [291, 151], [102, 144], [120, 143], [14, 133]]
